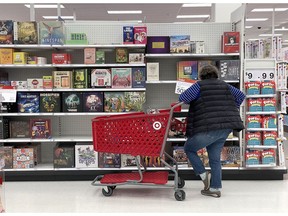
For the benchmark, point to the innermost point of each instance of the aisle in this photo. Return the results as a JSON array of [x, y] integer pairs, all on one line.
[[80, 196]]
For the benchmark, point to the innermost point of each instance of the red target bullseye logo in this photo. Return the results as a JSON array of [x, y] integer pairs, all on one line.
[[157, 125]]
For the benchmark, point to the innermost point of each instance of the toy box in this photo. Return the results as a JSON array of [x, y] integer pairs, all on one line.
[[61, 58]]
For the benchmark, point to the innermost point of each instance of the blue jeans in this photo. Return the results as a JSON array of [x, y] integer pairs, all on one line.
[[214, 142]]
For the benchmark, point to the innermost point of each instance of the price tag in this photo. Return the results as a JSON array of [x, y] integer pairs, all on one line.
[[259, 75], [182, 86], [7, 95]]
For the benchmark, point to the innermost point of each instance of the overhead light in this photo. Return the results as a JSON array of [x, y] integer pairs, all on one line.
[[44, 6], [257, 19], [56, 17], [268, 9], [269, 35], [281, 29], [125, 12], [248, 27], [285, 41], [192, 16], [196, 5]]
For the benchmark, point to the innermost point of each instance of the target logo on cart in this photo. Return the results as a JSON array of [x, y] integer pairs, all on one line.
[[157, 125]]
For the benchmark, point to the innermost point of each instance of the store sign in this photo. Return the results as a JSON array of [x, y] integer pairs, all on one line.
[[182, 86], [259, 75]]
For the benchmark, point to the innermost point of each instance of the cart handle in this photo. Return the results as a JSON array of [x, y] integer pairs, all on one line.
[[176, 105]]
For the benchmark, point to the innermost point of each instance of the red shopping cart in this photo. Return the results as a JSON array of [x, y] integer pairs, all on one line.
[[137, 134]]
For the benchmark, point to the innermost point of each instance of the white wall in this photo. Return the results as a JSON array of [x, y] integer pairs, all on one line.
[[221, 12]]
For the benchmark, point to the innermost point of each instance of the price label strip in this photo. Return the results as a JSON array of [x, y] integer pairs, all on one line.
[[182, 86]]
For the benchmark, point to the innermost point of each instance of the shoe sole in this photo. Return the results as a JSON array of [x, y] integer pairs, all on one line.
[[212, 194], [206, 187]]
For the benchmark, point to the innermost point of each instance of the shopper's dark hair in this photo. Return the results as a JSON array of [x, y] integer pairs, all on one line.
[[208, 72]]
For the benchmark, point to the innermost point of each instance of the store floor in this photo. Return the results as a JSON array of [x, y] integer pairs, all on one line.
[[81, 196]]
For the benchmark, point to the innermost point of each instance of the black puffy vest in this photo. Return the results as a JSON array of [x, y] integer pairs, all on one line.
[[215, 109]]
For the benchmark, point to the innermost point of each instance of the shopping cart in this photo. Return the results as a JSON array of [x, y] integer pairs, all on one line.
[[137, 134]]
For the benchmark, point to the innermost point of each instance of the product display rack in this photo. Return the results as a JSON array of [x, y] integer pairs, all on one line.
[[68, 123]]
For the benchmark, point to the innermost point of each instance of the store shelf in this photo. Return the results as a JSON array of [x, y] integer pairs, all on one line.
[[261, 96], [260, 147], [173, 55], [162, 81], [261, 165], [82, 90], [184, 139], [15, 66], [261, 129], [41, 46], [53, 139], [262, 113]]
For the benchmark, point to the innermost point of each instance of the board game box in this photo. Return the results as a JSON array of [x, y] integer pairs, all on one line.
[[50, 102], [19, 129], [51, 33], [28, 102], [72, 102], [40, 129], [6, 32], [109, 160], [134, 101], [25, 33], [128, 33], [138, 77], [80, 78], [180, 44], [158, 44], [101, 78], [93, 101], [85, 156], [23, 158], [114, 102], [64, 155], [121, 78]]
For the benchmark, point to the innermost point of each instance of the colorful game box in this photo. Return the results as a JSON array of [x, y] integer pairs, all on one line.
[[136, 58], [61, 58], [121, 78], [23, 158], [64, 155], [231, 42], [121, 55], [180, 44], [80, 78], [187, 71], [25, 33], [269, 121], [6, 32], [253, 87], [89, 55], [8, 157], [253, 138], [138, 77], [40, 128], [268, 157], [255, 104], [152, 161], [85, 156], [28, 102], [254, 121], [180, 156], [252, 157], [62, 79], [114, 102], [134, 101], [93, 101], [72, 102], [35, 83], [268, 87], [6, 55], [50, 102], [19, 84], [51, 33], [109, 160], [140, 35], [152, 69], [269, 104], [100, 57], [270, 138], [20, 57], [47, 82], [101, 78], [129, 161], [128, 34]]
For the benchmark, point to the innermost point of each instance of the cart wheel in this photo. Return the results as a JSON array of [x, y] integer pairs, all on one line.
[[112, 187], [181, 182], [107, 193], [180, 195]]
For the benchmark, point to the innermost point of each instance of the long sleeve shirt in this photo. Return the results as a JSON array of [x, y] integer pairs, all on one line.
[[193, 92]]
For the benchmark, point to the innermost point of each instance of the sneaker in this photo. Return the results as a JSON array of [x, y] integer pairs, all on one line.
[[206, 181], [215, 194]]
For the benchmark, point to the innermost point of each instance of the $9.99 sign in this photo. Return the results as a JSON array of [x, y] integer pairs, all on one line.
[[259, 75]]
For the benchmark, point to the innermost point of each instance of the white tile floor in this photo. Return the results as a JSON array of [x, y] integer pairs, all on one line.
[[81, 196]]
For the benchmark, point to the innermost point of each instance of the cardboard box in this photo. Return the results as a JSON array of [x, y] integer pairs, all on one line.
[[158, 44], [20, 57], [6, 56], [61, 58]]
